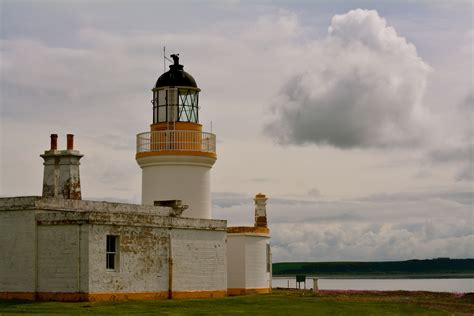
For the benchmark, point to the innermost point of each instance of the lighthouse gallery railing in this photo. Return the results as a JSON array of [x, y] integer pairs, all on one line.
[[176, 140]]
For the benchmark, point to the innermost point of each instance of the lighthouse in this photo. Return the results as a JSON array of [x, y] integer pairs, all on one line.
[[175, 155]]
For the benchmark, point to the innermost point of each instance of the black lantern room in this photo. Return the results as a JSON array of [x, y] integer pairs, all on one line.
[[175, 96]]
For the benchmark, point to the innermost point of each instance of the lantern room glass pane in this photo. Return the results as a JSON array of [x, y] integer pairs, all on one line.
[[172, 113], [161, 114], [188, 108], [161, 97]]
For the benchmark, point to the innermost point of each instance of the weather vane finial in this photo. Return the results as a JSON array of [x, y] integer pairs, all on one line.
[[175, 58]]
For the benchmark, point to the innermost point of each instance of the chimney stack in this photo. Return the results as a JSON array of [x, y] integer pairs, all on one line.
[[260, 210], [61, 171], [54, 141], [70, 142]]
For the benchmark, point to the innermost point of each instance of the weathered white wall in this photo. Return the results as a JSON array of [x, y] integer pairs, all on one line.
[[17, 251], [62, 258], [68, 246], [199, 260], [236, 261], [256, 275], [186, 178], [247, 261], [142, 263]]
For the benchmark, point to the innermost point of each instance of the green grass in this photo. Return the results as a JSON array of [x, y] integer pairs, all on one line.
[[281, 302]]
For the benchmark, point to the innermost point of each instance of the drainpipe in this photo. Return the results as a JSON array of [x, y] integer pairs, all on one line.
[[170, 268]]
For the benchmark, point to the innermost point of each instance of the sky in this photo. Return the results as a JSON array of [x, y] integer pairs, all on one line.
[[354, 117]]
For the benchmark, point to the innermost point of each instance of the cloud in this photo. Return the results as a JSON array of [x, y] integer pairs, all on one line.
[[365, 242], [453, 140], [461, 197], [384, 226], [314, 192], [361, 86]]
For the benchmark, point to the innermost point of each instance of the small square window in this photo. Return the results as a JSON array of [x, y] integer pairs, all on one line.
[[111, 253]]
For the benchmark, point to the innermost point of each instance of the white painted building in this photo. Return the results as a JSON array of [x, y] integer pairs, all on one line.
[[249, 269], [60, 247]]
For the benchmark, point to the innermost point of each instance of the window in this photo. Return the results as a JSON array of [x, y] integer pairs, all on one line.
[[188, 106], [269, 258], [175, 105], [111, 254]]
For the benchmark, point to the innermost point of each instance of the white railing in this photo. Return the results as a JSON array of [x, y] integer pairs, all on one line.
[[176, 140]]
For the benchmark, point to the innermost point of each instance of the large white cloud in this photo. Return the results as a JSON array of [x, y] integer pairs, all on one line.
[[361, 86]]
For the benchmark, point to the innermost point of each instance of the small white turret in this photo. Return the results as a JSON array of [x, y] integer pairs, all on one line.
[[260, 210]]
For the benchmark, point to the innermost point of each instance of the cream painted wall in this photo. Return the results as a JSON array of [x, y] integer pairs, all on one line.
[[199, 260], [186, 178], [256, 275], [247, 261], [235, 261]]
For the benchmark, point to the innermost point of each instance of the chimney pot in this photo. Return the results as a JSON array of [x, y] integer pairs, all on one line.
[[70, 141], [54, 141]]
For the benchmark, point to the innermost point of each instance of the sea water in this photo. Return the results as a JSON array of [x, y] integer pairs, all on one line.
[[433, 285]]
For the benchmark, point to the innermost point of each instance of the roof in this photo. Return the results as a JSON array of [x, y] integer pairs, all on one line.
[[176, 76]]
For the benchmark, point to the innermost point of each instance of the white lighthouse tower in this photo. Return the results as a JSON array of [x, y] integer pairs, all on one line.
[[176, 156]]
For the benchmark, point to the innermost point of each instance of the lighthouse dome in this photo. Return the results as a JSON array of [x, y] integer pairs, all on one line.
[[176, 76]]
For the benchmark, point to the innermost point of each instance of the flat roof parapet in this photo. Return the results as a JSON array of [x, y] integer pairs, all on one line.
[[63, 211], [128, 219]]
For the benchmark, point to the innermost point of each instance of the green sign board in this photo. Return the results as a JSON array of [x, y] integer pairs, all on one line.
[[301, 278]]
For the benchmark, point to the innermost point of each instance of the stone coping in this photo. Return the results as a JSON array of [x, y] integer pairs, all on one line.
[[54, 211]]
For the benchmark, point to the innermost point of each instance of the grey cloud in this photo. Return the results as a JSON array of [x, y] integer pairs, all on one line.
[[466, 173], [389, 226], [260, 180], [462, 197], [361, 87], [229, 199], [314, 192], [455, 144], [359, 241]]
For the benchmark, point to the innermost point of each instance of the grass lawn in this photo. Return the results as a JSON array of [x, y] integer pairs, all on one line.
[[280, 302]]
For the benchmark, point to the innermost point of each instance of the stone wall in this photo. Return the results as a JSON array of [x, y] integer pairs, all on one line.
[[57, 251], [142, 264], [199, 260], [62, 258], [17, 251]]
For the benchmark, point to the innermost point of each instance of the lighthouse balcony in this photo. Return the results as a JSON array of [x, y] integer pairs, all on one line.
[[170, 142]]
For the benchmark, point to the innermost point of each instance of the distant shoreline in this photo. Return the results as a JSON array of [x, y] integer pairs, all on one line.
[[381, 277], [439, 268]]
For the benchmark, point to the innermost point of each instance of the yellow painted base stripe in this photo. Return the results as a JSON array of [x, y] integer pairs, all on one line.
[[180, 126], [137, 296], [244, 291], [247, 229], [26, 296], [199, 294], [100, 297]]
